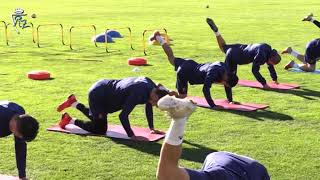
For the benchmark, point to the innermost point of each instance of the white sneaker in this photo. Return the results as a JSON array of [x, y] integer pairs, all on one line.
[[175, 107], [308, 17]]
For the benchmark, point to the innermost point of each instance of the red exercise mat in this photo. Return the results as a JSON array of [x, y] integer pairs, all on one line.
[[137, 61], [256, 84], [225, 104], [114, 131], [39, 75]]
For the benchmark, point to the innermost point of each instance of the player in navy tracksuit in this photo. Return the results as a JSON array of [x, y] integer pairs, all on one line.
[[189, 71], [312, 53], [108, 96], [13, 120], [218, 165], [257, 54]]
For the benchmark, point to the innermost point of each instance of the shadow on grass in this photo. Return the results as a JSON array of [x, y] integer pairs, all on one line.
[[49, 79], [302, 92], [262, 114], [196, 153]]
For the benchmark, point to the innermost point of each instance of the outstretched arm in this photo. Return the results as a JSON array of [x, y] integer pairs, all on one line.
[[124, 115], [207, 95], [228, 91], [273, 73], [149, 115], [257, 75], [21, 154]]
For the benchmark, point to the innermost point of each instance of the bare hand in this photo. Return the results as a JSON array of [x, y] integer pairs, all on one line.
[[276, 82], [234, 102], [155, 131], [173, 93], [139, 138]]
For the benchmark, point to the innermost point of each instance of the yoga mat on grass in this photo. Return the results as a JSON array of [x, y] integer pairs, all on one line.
[[114, 131], [317, 71], [202, 102], [6, 177], [256, 84]]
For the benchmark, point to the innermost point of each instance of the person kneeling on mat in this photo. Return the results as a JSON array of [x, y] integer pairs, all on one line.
[[257, 54], [217, 165], [108, 96], [312, 53], [189, 71], [24, 127]]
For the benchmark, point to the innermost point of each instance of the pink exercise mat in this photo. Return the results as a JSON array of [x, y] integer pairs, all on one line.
[[226, 106], [114, 131], [5, 177], [256, 84]]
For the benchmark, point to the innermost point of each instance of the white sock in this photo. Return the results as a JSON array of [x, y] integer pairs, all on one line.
[[74, 104], [160, 40], [175, 133], [312, 19], [294, 53], [295, 65], [217, 33]]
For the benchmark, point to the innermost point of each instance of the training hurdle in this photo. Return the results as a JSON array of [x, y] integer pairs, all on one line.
[[41, 25], [6, 31], [130, 37], [32, 26], [148, 30], [72, 27]]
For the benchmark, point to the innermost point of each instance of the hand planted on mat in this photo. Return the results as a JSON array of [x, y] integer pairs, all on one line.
[[266, 86], [276, 82], [139, 138], [234, 102], [155, 131], [173, 93]]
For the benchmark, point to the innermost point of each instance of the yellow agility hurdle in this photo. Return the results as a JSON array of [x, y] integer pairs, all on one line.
[[166, 37], [41, 25], [72, 27], [32, 26], [6, 31], [130, 37]]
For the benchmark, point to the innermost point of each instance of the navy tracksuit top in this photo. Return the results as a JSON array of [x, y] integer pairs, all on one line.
[[7, 111]]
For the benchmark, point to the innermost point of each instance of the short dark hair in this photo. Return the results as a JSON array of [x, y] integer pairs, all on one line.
[[232, 79], [27, 126], [275, 57], [161, 91]]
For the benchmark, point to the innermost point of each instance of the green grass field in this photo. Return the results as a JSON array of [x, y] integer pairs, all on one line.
[[285, 137]]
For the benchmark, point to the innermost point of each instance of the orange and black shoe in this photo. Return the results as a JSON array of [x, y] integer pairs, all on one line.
[[212, 25], [155, 34], [65, 120], [67, 103], [289, 65]]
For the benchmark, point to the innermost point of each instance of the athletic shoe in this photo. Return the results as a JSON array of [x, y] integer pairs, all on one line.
[[288, 50], [176, 108], [67, 103], [65, 120], [289, 65], [154, 35], [308, 17], [212, 25]]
